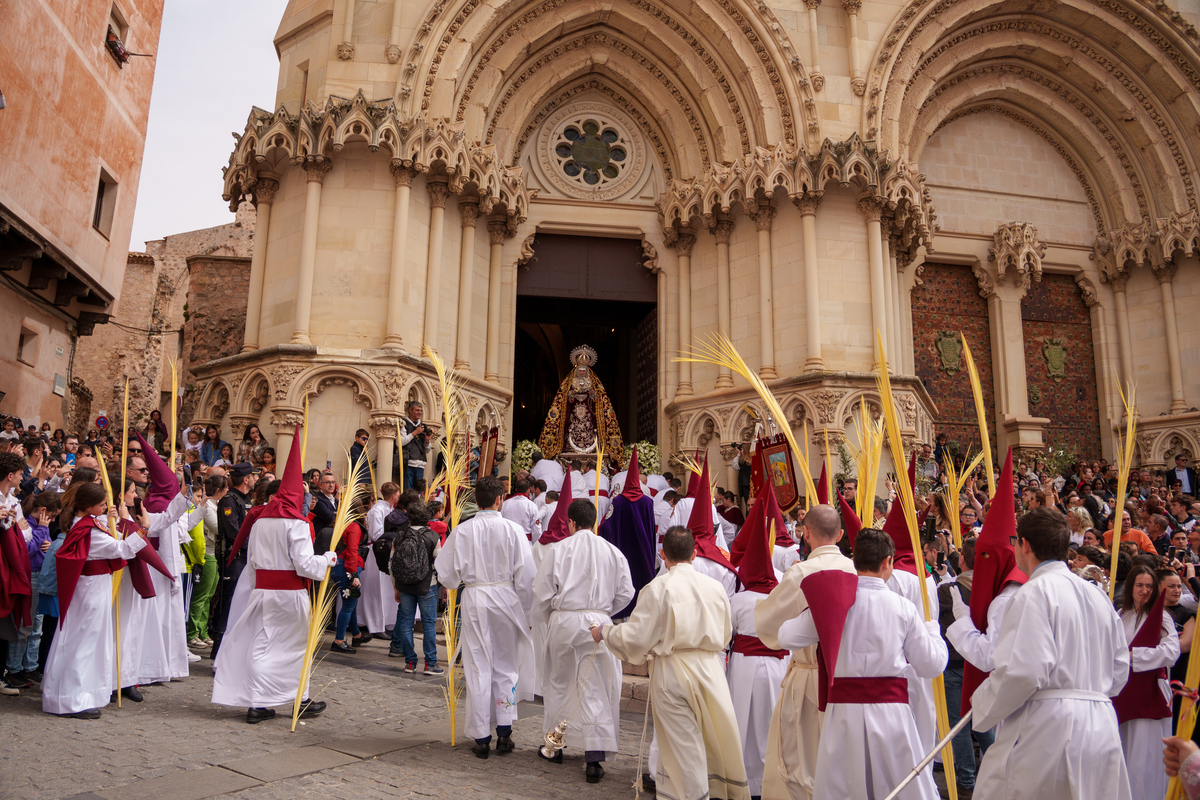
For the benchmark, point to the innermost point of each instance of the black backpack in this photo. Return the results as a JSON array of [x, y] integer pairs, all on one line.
[[382, 550], [410, 557], [324, 537]]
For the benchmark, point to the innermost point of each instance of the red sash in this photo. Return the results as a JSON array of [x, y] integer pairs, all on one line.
[[753, 646], [101, 567], [278, 579], [869, 690]]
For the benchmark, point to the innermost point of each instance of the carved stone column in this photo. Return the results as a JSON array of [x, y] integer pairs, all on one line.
[[384, 427], [683, 249], [438, 192], [317, 170], [285, 419], [889, 296], [264, 196], [807, 204], [856, 75], [722, 229], [393, 49], [872, 209], [1118, 281], [814, 45], [346, 48], [468, 211], [395, 309], [496, 234], [238, 423], [1164, 274], [763, 215]]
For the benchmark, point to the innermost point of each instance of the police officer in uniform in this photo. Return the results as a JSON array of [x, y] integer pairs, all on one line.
[[231, 511]]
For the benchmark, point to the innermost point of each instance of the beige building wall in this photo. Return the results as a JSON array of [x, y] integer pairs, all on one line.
[[884, 136]]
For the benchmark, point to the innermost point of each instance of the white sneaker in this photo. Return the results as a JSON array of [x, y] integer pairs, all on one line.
[[192, 657], [198, 643], [5, 689]]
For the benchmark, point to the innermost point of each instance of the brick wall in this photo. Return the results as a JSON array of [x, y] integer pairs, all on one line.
[[949, 301], [1054, 311]]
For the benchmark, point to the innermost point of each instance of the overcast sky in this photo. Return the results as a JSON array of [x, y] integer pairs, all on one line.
[[214, 61]]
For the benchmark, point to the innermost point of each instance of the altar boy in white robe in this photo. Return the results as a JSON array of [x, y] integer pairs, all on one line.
[[581, 583], [491, 556], [259, 662], [377, 606], [870, 637], [682, 618], [1060, 656], [756, 671]]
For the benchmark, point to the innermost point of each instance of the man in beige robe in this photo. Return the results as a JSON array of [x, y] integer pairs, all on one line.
[[795, 732], [682, 621]]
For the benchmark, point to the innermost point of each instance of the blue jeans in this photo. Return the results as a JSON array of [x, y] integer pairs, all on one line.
[[412, 475], [23, 653], [346, 616], [402, 634], [964, 752]]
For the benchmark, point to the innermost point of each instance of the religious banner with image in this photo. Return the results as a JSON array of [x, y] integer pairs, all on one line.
[[487, 451], [775, 457]]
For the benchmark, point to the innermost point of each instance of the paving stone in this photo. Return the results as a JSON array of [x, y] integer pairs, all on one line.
[[370, 746], [187, 785], [289, 763]]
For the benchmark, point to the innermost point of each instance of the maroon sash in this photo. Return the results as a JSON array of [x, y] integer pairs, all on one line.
[[753, 646], [869, 690], [278, 579], [1142, 698]]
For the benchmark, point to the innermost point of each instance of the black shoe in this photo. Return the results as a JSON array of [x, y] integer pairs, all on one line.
[[387, 637], [480, 749], [341, 647], [359, 641], [132, 693], [648, 785], [557, 759], [312, 708], [395, 653], [965, 792], [257, 715], [594, 771], [504, 744], [18, 680], [36, 677], [91, 713]]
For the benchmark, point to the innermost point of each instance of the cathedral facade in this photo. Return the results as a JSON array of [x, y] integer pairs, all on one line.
[[797, 175]]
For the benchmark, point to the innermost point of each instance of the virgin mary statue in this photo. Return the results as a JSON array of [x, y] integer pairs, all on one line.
[[581, 415]]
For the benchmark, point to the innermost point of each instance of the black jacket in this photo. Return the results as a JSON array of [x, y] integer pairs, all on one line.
[[432, 539], [231, 512], [946, 614], [324, 511]]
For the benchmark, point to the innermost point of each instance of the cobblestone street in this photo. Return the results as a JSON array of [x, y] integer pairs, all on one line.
[[384, 735]]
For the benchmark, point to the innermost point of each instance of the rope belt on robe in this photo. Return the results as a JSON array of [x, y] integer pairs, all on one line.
[[494, 583]]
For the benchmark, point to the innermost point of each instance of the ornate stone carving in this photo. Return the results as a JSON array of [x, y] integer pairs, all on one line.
[[497, 231], [526, 250], [684, 243], [438, 192], [763, 216], [385, 426], [316, 387], [871, 207], [826, 402], [728, 451], [346, 51], [987, 287], [1017, 251], [1145, 440], [317, 169], [285, 421], [949, 348], [392, 381], [402, 175], [807, 203], [650, 257], [264, 190], [1088, 290], [393, 53], [258, 401], [722, 229], [468, 211], [908, 406], [1055, 353], [1165, 271], [564, 140], [282, 377]]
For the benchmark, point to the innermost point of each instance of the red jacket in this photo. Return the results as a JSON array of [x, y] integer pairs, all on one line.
[[349, 557]]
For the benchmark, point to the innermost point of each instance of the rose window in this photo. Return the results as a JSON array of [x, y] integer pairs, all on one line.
[[591, 152]]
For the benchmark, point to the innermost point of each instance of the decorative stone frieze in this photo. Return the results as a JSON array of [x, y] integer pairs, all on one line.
[[1017, 251]]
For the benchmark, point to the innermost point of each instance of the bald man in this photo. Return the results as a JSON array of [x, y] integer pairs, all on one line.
[[796, 722]]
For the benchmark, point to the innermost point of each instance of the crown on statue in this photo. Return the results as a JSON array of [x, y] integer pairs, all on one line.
[[583, 356]]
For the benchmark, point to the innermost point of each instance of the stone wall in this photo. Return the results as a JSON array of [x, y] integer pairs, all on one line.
[[949, 302]]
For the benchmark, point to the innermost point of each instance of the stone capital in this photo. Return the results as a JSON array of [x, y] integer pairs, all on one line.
[[468, 210], [1165, 271], [1118, 280], [763, 215], [264, 191], [384, 426], [497, 231], [317, 170], [852, 6], [438, 192], [871, 207], [807, 203], [1016, 250], [812, 5], [722, 229], [403, 175], [285, 419], [684, 243]]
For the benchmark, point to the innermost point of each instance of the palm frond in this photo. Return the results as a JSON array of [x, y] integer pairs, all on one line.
[[719, 351], [1125, 446], [981, 413], [323, 596]]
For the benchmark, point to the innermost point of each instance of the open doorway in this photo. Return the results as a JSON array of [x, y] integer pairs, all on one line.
[[580, 290]]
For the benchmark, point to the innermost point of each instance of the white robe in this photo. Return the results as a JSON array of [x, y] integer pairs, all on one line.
[[783, 557], [149, 652], [683, 619], [523, 511], [683, 511], [1141, 739], [377, 605], [582, 581], [791, 766], [81, 666], [1059, 635], [260, 658], [585, 488], [980, 648], [868, 748], [657, 484], [920, 690], [550, 471], [492, 557], [543, 523], [754, 683]]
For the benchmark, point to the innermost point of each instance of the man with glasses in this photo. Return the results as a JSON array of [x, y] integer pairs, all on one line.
[[968, 520], [1184, 474], [135, 466], [357, 450], [414, 439], [325, 504]]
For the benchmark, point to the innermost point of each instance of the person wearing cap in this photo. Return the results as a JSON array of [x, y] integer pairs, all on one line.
[[231, 513], [871, 639], [682, 620], [259, 664], [581, 582]]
